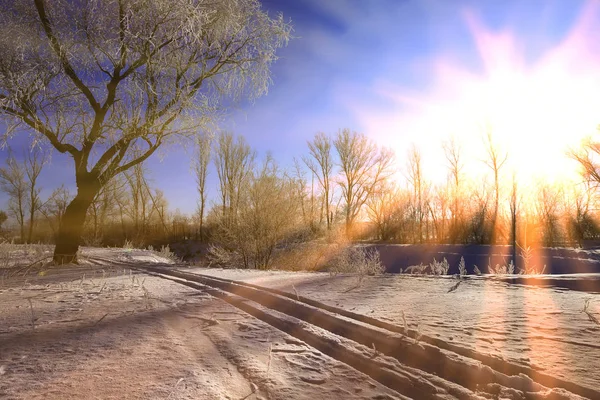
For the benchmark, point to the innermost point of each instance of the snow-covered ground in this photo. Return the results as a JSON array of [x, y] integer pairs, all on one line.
[[116, 335], [543, 328], [99, 331]]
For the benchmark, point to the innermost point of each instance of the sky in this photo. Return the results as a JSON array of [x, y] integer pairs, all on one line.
[[417, 71]]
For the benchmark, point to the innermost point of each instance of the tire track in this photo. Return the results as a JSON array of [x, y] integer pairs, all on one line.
[[433, 357]]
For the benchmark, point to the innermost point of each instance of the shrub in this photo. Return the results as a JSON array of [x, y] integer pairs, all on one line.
[[416, 269], [166, 252], [357, 259], [439, 268], [220, 256], [511, 268], [462, 269]]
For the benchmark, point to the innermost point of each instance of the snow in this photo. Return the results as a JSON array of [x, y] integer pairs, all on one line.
[[101, 331], [116, 334], [544, 328]]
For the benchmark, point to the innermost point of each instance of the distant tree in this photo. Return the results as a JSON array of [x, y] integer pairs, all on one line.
[[514, 213], [14, 184], [3, 218], [139, 210], [387, 209], [267, 217], [160, 208], [478, 214], [320, 162], [439, 209], [202, 159], [419, 188], [234, 162], [588, 157], [548, 210], [307, 201], [35, 160], [363, 167], [104, 209], [55, 206], [453, 154], [100, 78], [582, 223], [495, 161]]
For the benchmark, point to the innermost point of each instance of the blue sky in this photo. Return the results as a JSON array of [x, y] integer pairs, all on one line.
[[404, 72]]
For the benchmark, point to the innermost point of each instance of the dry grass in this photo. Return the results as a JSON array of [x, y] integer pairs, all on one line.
[[586, 310]]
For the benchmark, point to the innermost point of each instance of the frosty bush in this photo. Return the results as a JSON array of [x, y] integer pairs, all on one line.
[[359, 260], [166, 252], [220, 256], [435, 268], [439, 268], [417, 269], [511, 267], [462, 268]]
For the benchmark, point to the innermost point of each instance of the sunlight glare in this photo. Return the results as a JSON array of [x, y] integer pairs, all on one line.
[[536, 110]]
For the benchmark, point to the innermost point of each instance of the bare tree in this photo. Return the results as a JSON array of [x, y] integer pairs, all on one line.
[[55, 206], [496, 160], [387, 209], [234, 162], [104, 209], [419, 189], [364, 167], [99, 78], [34, 163], [438, 208], [453, 153], [320, 162], [3, 218], [159, 209], [13, 183], [202, 159], [307, 201], [140, 201], [548, 212], [587, 155], [267, 216], [581, 222]]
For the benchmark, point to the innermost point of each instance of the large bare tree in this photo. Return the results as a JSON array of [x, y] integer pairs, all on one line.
[[99, 78], [363, 167]]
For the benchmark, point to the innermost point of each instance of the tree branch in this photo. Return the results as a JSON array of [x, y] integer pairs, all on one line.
[[55, 44]]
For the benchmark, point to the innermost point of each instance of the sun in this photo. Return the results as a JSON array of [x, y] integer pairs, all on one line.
[[534, 119], [535, 108]]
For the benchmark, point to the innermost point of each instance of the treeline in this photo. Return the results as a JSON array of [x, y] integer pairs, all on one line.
[[347, 184], [344, 185], [127, 208]]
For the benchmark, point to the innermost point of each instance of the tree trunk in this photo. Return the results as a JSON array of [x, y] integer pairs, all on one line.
[[71, 226], [31, 221]]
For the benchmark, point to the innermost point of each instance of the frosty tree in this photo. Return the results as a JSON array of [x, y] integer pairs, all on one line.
[[108, 82]]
